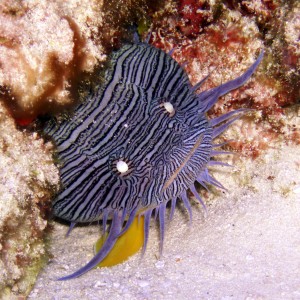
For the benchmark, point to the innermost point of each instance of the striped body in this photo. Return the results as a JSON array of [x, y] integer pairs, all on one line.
[[126, 120], [137, 143]]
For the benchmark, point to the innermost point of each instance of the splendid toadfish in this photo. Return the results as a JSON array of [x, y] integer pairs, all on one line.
[[139, 142]]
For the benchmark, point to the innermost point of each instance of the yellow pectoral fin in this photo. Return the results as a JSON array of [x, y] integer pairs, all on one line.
[[127, 244]]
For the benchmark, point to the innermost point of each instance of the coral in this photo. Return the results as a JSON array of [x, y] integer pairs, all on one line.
[[28, 178], [47, 48], [222, 45], [42, 52], [196, 15]]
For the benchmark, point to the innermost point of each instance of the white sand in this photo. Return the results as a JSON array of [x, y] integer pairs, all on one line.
[[248, 246]]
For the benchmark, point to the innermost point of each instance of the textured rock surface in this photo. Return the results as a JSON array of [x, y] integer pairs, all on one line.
[[46, 46], [27, 179]]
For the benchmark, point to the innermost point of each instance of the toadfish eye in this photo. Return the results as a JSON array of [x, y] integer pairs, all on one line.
[[122, 166], [168, 106]]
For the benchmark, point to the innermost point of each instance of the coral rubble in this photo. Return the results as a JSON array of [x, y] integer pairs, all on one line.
[[27, 180]]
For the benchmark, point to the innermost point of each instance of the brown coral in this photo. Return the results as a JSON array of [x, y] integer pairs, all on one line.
[[47, 47], [40, 55]]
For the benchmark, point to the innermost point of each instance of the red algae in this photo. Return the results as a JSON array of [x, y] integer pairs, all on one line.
[[195, 16]]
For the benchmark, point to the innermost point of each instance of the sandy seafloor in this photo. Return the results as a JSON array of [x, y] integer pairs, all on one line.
[[246, 247]]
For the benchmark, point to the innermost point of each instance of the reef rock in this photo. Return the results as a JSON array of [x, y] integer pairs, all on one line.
[[46, 47], [27, 180], [219, 39]]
